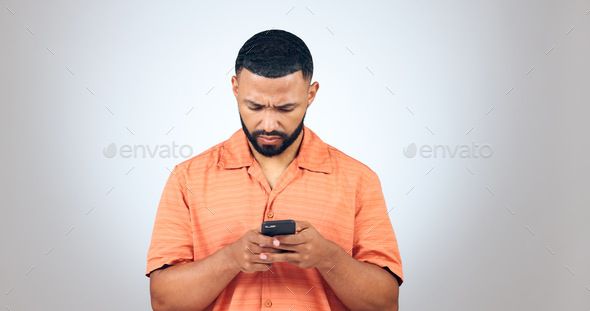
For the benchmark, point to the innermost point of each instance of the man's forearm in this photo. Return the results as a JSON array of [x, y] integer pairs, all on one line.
[[191, 286], [360, 285]]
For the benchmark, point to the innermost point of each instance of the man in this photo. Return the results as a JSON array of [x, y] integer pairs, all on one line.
[[207, 252]]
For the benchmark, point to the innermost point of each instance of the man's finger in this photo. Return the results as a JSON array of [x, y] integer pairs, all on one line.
[[259, 259], [254, 249], [287, 248], [260, 239], [278, 257], [293, 239], [301, 225], [259, 250]]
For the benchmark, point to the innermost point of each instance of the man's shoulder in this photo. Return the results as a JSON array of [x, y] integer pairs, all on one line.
[[333, 159], [346, 163], [203, 160], [232, 152]]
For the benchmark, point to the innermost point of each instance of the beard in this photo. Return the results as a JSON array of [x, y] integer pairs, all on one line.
[[272, 150]]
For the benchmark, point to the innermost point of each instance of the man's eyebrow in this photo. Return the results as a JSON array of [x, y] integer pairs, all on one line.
[[286, 105], [249, 101]]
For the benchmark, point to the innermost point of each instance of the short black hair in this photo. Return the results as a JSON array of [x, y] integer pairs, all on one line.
[[275, 53]]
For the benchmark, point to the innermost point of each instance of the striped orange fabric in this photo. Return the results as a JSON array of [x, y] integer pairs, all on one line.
[[212, 199]]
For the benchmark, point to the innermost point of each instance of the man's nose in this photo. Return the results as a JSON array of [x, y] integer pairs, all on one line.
[[269, 120]]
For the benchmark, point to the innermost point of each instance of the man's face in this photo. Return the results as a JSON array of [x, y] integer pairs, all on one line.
[[272, 109]]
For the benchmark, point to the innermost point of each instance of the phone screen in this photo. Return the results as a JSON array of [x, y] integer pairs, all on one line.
[[278, 227]]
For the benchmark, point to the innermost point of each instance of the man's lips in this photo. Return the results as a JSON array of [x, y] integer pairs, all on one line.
[[269, 140]]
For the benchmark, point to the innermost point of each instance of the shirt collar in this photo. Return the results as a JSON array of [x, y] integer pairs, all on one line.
[[236, 151], [313, 155]]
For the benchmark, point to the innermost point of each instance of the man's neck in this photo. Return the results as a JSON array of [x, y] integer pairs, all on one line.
[[273, 167]]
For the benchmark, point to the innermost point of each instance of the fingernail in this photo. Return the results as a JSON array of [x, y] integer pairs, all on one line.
[[263, 256], [276, 243]]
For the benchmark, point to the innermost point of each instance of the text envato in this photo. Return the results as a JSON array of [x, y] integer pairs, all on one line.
[[153, 151], [449, 151]]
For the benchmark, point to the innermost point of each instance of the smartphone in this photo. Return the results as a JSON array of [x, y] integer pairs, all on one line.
[[278, 227]]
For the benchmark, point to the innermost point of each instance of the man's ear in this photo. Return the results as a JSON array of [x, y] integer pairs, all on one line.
[[312, 91], [234, 84]]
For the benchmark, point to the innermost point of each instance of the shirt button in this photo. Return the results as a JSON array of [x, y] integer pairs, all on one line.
[[268, 303], [270, 214]]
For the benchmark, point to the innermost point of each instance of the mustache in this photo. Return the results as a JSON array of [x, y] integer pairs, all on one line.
[[273, 133]]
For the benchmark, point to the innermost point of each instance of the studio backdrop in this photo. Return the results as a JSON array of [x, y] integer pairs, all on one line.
[[474, 114]]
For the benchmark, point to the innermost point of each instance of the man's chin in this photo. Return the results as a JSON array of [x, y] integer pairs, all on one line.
[[269, 150]]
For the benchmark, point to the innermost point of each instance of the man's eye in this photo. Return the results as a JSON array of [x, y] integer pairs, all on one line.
[[285, 109], [255, 108]]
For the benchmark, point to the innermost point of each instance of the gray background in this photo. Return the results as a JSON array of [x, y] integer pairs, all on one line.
[[504, 232]]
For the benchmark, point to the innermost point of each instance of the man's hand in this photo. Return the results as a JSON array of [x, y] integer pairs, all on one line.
[[306, 249], [246, 251]]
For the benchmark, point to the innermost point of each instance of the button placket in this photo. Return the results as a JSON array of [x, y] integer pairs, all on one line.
[[286, 179]]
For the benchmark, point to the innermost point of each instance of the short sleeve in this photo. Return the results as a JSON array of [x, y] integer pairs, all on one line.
[[374, 238], [172, 241]]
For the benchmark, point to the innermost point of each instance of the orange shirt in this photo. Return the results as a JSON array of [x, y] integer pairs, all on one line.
[[211, 200]]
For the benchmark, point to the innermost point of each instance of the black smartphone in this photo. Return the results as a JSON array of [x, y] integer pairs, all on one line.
[[278, 227]]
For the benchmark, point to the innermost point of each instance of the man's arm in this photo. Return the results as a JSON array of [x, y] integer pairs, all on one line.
[[359, 285], [191, 286], [195, 285]]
